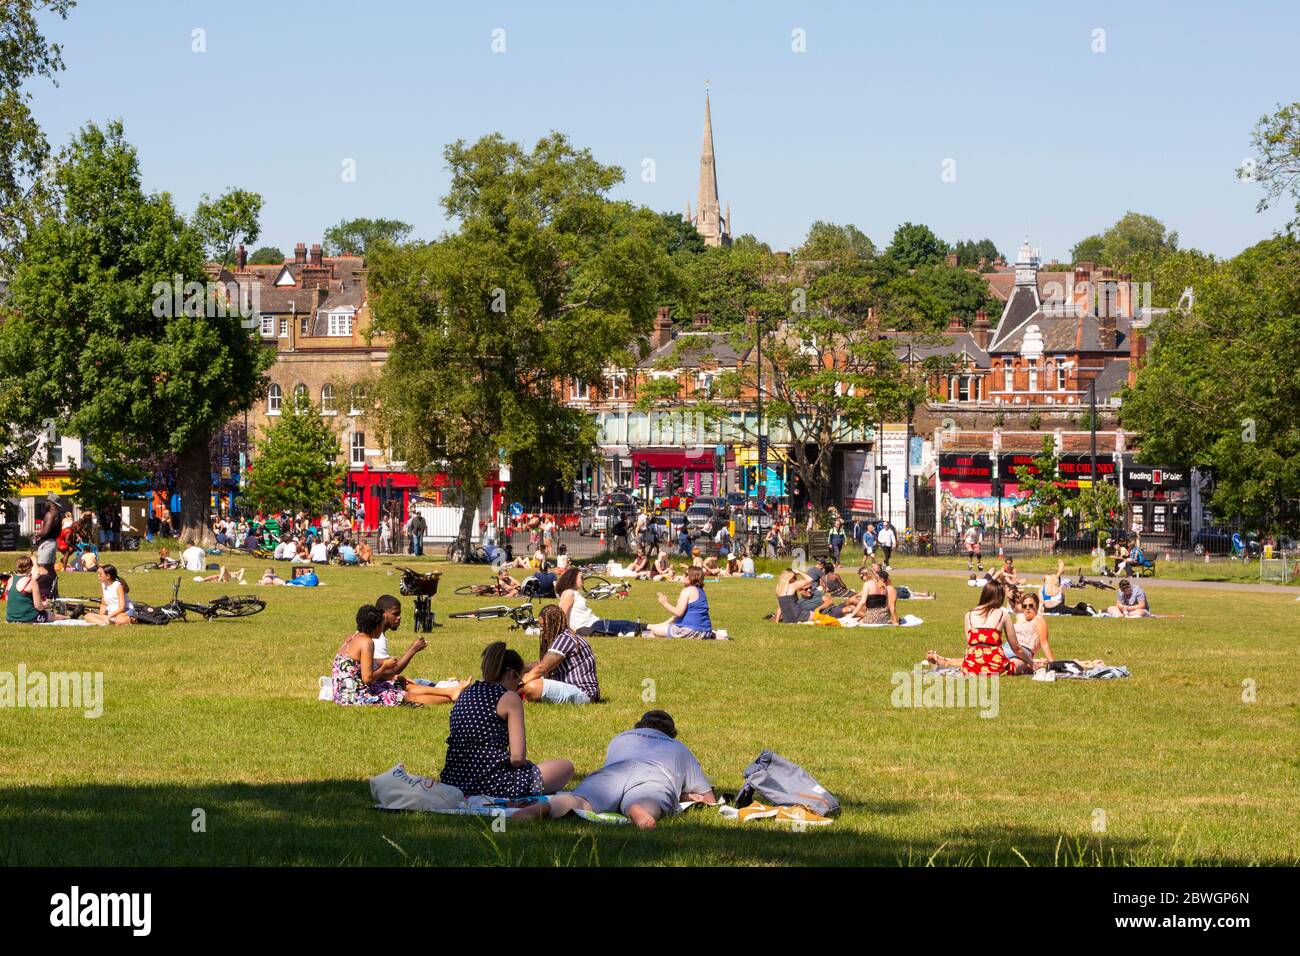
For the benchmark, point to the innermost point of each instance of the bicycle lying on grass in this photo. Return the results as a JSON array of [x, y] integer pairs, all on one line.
[[224, 606], [598, 589], [521, 616]]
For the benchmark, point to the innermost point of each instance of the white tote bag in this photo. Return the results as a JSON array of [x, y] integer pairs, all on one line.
[[398, 790]]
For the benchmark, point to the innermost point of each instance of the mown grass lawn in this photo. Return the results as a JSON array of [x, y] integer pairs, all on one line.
[[223, 718]]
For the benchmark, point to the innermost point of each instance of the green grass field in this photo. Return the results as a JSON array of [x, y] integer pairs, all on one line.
[[223, 718]]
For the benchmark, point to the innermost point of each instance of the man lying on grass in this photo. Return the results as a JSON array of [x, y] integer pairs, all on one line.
[[647, 773]]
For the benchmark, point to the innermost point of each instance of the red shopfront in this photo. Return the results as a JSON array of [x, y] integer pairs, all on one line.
[[381, 491], [698, 469]]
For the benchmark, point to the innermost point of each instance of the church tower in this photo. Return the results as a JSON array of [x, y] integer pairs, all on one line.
[[709, 220]]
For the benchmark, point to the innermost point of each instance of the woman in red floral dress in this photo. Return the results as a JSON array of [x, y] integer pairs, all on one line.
[[988, 625]]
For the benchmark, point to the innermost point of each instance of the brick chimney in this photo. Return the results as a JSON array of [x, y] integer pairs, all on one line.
[[663, 329], [316, 254], [1107, 333], [241, 258], [982, 330], [1124, 296], [983, 263], [950, 260], [1081, 293], [955, 324], [300, 253], [1137, 350], [701, 320]]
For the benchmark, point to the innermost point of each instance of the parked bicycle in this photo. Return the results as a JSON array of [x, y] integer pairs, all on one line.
[[494, 589], [163, 564], [422, 586]]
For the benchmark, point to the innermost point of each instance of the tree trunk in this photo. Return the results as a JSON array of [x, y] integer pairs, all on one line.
[[194, 483], [470, 495]]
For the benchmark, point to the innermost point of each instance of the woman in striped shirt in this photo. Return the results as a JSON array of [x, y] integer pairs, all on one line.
[[565, 672]]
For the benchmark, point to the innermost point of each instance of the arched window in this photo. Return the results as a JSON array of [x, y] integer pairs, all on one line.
[[327, 400], [300, 400], [273, 397]]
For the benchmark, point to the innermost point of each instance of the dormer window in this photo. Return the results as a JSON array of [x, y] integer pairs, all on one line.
[[267, 323], [339, 323]]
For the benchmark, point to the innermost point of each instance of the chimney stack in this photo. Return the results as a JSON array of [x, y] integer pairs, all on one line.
[[701, 320], [241, 258], [300, 253], [316, 254], [950, 260], [1107, 334], [663, 329], [955, 324], [981, 330]]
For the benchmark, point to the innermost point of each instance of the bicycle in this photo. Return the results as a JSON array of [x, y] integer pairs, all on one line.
[[521, 616], [422, 586], [74, 607], [495, 589], [596, 588], [224, 606], [167, 564]]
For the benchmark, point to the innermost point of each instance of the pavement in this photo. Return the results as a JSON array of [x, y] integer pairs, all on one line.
[[898, 570]]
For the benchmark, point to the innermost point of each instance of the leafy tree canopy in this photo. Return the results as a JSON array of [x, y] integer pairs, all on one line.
[[266, 256], [226, 221], [916, 245], [1276, 164], [297, 466], [358, 236]]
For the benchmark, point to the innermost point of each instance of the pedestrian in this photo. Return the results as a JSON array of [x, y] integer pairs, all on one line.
[[836, 540], [888, 541]]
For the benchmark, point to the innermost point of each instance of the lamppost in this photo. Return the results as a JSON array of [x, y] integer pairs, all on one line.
[[758, 402]]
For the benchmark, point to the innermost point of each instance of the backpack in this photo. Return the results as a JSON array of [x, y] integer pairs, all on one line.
[[148, 614], [775, 780]]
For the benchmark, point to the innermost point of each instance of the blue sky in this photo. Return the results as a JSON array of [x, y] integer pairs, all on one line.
[[1047, 136]]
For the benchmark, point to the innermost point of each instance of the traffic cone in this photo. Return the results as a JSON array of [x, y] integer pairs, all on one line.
[[602, 539], [1000, 554]]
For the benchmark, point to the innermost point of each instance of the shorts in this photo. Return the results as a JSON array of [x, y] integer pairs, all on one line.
[[558, 692], [616, 787], [676, 630], [46, 552]]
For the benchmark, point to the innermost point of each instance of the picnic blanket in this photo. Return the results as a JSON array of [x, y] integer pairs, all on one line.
[[1064, 670], [70, 622], [907, 620], [398, 789]]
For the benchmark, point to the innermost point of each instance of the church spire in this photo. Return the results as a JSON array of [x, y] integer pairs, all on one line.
[[708, 214]]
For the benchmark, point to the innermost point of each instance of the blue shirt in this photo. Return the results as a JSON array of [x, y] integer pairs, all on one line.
[[305, 580], [697, 614]]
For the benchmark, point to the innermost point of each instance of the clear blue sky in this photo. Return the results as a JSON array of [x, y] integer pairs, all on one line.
[[1047, 135]]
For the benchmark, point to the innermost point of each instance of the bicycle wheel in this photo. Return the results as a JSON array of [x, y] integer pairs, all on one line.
[[482, 613], [474, 590], [145, 568], [595, 587], [237, 607]]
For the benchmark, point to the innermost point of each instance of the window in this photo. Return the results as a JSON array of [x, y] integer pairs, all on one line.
[[340, 323], [358, 400], [327, 400], [963, 388], [268, 326], [273, 397], [578, 391], [284, 328], [55, 446], [303, 322], [618, 386], [1060, 378], [1033, 378], [300, 399], [1010, 379], [358, 448]]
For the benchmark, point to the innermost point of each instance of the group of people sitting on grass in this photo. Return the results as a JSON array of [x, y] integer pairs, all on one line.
[[29, 597], [646, 771], [659, 568], [803, 596], [1130, 600]]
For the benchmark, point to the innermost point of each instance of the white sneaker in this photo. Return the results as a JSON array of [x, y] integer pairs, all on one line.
[[720, 635]]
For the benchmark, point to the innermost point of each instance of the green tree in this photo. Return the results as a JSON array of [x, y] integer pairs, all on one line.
[[682, 235], [25, 53], [544, 281], [226, 221], [969, 252], [1132, 237], [358, 236], [1093, 507], [266, 256], [826, 240], [1221, 383], [297, 466], [1276, 165], [99, 339], [916, 245]]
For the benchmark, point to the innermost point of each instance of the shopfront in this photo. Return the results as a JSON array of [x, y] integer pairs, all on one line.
[[380, 492], [1158, 504], [695, 471]]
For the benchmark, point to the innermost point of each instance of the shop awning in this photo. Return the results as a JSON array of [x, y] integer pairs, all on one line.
[[701, 458]]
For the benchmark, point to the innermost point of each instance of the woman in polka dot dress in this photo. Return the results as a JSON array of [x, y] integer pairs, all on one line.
[[487, 749]]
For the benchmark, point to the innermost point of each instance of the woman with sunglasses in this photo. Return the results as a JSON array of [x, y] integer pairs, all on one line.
[[1031, 629]]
